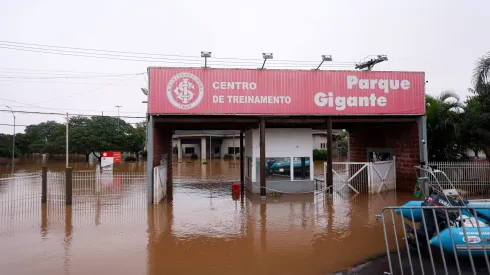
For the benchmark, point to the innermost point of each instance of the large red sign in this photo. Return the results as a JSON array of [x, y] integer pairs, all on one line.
[[285, 92]]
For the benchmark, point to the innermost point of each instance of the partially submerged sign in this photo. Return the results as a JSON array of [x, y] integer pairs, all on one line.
[[107, 161], [285, 92]]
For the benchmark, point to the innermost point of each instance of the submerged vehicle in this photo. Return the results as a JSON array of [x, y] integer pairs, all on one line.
[[284, 166], [445, 219]]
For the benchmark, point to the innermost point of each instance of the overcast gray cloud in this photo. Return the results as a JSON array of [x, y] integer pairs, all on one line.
[[441, 38]]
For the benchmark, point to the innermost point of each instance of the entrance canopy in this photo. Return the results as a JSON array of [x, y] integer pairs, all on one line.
[[207, 91]]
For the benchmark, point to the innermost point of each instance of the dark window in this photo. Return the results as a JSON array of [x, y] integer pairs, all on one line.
[[230, 150], [189, 150], [216, 150]]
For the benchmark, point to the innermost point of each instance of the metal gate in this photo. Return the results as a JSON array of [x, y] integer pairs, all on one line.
[[363, 177]]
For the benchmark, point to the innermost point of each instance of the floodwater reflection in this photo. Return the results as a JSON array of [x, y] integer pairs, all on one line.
[[203, 229]]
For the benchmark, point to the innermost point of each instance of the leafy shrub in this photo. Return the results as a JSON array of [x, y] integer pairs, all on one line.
[[228, 156], [320, 154]]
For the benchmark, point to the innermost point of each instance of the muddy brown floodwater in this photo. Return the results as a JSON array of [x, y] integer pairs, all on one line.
[[200, 230]]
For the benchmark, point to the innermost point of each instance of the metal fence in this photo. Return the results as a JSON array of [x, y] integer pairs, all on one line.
[[20, 200], [470, 178], [102, 196], [437, 240]]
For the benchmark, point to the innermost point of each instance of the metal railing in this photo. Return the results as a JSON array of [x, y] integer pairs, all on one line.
[[20, 200], [470, 177], [437, 239]]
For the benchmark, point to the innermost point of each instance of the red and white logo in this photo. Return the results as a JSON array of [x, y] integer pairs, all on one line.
[[185, 91]]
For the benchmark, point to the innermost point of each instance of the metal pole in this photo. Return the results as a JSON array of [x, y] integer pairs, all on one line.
[[67, 122], [13, 141], [329, 179], [44, 185], [68, 186], [262, 159], [242, 167], [117, 106]]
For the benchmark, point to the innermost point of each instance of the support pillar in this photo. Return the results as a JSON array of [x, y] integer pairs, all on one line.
[[424, 155], [203, 149], [242, 167], [149, 150], [179, 150], [262, 158], [329, 179]]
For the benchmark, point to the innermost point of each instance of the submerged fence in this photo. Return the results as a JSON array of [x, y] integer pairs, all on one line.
[[27, 199], [437, 240]]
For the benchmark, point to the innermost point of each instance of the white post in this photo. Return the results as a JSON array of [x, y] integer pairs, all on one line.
[[67, 121], [179, 149], [203, 149], [234, 151]]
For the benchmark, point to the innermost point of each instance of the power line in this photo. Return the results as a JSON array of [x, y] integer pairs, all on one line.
[[62, 77], [146, 58], [163, 56], [79, 110], [98, 88], [64, 114]]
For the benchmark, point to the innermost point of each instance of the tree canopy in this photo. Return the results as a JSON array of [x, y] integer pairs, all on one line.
[[86, 136]]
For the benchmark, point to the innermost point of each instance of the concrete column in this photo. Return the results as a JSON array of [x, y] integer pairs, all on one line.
[[149, 161], [203, 149], [242, 166], [329, 179], [179, 149], [263, 191]]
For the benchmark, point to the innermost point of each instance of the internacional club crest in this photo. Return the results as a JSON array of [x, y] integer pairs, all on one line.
[[185, 91]]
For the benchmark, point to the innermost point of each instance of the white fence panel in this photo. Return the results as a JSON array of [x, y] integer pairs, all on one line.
[[159, 183], [364, 177], [382, 176]]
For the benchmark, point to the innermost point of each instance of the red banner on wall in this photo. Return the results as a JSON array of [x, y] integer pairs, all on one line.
[[285, 92]]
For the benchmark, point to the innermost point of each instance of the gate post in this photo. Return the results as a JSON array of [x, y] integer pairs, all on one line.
[[263, 192], [44, 185], [329, 179], [69, 185]]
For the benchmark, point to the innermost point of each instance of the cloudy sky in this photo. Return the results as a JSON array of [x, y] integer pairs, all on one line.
[[86, 57]]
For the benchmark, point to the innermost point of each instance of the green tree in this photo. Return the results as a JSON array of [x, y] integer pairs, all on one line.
[[444, 117], [46, 137], [136, 139], [98, 134], [477, 120]]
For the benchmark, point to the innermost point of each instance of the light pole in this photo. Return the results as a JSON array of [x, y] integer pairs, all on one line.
[[13, 141], [117, 106]]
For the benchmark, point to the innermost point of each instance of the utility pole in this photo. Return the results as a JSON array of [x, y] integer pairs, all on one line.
[[117, 106], [13, 142], [67, 122]]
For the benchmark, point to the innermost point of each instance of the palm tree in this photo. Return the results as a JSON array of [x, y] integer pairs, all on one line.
[[444, 116], [478, 108]]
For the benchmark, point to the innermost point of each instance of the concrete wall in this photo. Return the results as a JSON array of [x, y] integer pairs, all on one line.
[[228, 142], [283, 142], [318, 139], [401, 138]]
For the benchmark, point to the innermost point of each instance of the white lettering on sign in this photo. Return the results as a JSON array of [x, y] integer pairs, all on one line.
[[341, 102], [255, 99], [382, 84], [234, 85], [218, 99]]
